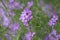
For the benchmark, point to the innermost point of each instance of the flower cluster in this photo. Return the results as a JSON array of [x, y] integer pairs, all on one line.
[[5, 20], [29, 35], [53, 35], [14, 5], [53, 20], [30, 4], [6, 11], [13, 29], [8, 37], [6, 17], [14, 26], [26, 15]]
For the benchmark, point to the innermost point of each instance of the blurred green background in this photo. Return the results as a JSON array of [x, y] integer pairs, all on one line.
[[39, 21]]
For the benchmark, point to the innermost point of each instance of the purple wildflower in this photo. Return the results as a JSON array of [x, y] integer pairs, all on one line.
[[53, 32], [6, 21], [11, 1], [46, 38], [8, 37], [13, 29], [12, 4], [15, 5], [53, 20], [26, 16], [29, 36], [58, 36], [53, 35], [2, 12], [14, 26], [30, 4]]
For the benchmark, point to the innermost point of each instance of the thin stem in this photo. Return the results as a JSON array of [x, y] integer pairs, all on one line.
[[4, 4], [5, 8]]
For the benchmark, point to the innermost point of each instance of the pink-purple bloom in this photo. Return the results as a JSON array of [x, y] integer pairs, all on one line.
[[8, 37], [12, 4], [58, 36], [15, 5], [11, 1], [53, 36], [53, 20], [13, 29], [6, 12], [26, 16], [30, 4], [54, 32], [14, 26], [6, 21], [29, 35]]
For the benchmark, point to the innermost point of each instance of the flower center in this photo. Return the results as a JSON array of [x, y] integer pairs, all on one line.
[[26, 13]]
